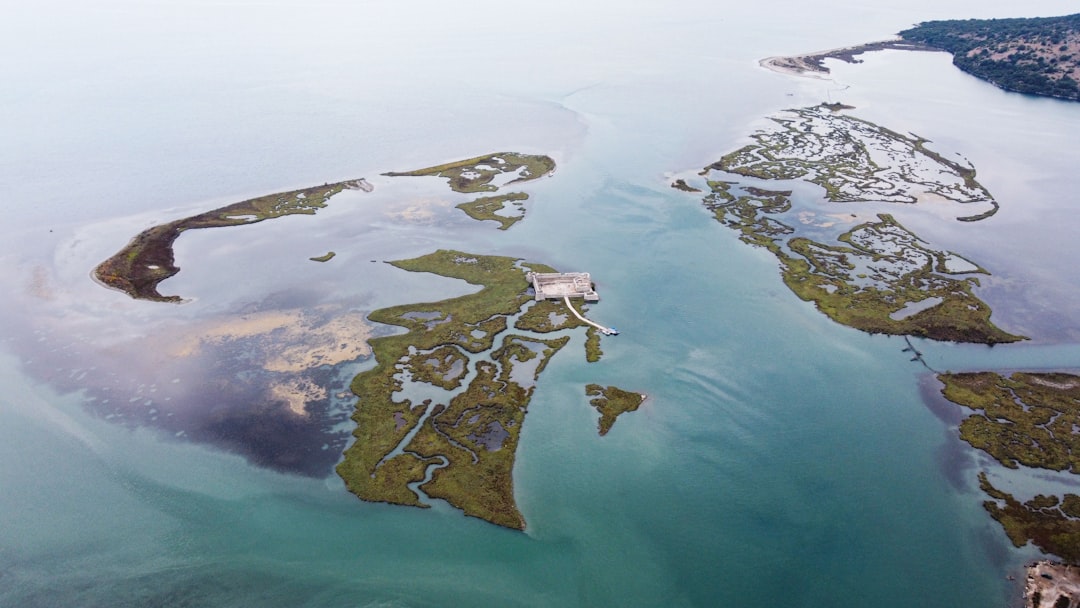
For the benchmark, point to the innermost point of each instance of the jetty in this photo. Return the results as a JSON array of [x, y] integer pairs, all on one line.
[[607, 331], [566, 285]]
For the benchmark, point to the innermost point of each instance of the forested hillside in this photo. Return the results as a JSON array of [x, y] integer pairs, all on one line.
[[1040, 56]]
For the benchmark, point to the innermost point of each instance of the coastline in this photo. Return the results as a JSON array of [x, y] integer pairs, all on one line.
[[810, 65], [1048, 582]]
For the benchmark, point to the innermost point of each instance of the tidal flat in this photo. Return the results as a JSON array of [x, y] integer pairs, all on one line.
[[813, 63], [148, 259], [477, 174], [878, 276], [547, 316], [706, 493], [1026, 419], [488, 207], [1050, 523], [855, 160], [461, 449], [489, 173], [430, 446]]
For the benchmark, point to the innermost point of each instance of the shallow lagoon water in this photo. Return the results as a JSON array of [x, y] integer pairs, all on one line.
[[780, 458]]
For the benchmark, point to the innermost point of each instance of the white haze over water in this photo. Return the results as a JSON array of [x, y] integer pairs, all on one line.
[[781, 459]]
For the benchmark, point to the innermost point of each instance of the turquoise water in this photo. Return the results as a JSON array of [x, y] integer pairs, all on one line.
[[781, 459]]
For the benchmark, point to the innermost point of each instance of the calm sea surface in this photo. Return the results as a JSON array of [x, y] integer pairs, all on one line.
[[781, 459]]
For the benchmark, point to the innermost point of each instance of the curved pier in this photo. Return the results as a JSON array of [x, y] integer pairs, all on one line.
[[607, 331]]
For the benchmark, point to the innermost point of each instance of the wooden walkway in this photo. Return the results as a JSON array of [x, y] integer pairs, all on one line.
[[607, 331]]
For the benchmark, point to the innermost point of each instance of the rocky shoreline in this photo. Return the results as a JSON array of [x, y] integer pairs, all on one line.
[[1052, 585]]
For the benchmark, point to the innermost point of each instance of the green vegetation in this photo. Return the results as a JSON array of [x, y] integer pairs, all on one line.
[[382, 422], [680, 184], [592, 345], [611, 402], [469, 442], [1039, 56], [592, 341], [444, 366], [744, 213], [853, 160], [837, 107], [1026, 419], [329, 255], [476, 174], [547, 316], [148, 259], [477, 435], [877, 271], [1052, 524], [878, 276], [883, 270], [487, 208]]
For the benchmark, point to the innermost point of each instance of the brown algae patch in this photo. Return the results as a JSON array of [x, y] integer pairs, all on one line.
[[267, 384], [39, 285], [286, 341], [418, 211], [297, 393]]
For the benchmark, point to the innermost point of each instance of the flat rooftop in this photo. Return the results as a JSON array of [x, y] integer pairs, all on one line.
[[558, 285]]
